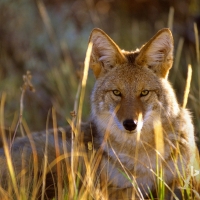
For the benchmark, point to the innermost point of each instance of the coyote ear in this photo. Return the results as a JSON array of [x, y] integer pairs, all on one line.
[[157, 54], [105, 53]]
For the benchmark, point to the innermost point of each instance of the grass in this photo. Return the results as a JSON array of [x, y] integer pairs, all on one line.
[[67, 164]]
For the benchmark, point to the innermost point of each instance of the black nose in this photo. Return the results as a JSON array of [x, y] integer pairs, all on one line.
[[129, 124]]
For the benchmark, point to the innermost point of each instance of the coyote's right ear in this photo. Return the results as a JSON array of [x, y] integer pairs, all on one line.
[[105, 53]]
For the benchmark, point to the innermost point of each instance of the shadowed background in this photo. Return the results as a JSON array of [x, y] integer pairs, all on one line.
[[49, 38]]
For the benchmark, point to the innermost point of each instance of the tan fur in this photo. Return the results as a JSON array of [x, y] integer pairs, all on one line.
[[135, 120]]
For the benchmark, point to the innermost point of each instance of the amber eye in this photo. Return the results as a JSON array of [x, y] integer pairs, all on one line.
[[144, 93], [116, 92]]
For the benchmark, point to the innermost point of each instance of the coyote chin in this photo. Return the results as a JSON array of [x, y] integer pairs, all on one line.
[[145, 137]]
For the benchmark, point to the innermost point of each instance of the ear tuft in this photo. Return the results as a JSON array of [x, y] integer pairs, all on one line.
[[105, 53], [157, 54]]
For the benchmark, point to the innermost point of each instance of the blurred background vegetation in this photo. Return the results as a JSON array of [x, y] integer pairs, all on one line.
[[49, 38]]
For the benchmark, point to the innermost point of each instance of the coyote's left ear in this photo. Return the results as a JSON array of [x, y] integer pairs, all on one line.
[[157, 54]]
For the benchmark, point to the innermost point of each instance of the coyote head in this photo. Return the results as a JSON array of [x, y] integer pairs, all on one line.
[[131, 89]]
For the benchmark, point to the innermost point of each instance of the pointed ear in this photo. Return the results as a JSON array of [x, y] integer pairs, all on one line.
[[105, 53], [157, 54]]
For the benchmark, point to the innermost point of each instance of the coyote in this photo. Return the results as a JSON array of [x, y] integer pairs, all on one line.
[[140, 135]]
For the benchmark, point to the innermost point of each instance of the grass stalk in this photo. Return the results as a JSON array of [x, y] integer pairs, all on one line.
[[35, 161], [83, 84], [57, 149], [187, 86], [197, 53], [177, 58], [77, 114], [170, 18], [196, 34], [6, 147], [45, 158]]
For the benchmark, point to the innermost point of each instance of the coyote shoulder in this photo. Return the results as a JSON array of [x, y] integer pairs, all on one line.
[[145, 137]]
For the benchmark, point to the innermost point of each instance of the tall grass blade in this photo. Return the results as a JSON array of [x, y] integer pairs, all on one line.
[[187, 86], [45, 158], [170, 18], [57, 149], [6, 146], [83, 84], [159, 139], [177, 58], [197, 42], [47, 22], [35, 159], [197, 53]]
